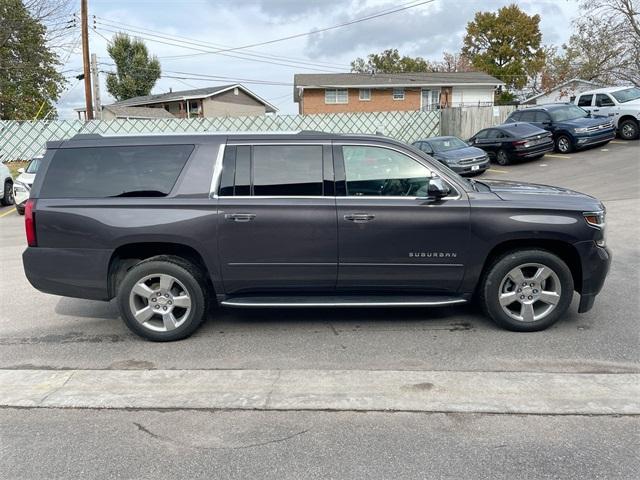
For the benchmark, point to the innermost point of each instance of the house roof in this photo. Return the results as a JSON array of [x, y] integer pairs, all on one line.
[[137, 112], [194, 94], [558, 87], [304, 81]]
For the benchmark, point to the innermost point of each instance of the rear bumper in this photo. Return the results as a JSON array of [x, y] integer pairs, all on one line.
[[534, 151], [595, 263], [76, 272]]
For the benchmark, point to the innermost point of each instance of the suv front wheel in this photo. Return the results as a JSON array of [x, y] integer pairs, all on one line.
[[163, 298], [527, 290]]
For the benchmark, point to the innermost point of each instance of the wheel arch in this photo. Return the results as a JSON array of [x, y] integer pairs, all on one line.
[[126, 256], [564, 250]]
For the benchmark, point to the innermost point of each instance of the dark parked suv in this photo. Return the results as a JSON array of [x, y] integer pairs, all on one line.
[[171, 224], [571, 126]]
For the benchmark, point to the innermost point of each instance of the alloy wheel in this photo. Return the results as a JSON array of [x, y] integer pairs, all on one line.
[[160, 302], [563, 144], [628, 131], [529, 292]]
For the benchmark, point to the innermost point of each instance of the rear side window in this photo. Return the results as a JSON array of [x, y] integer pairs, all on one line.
[[515, 116], [585, 101], [101, 172], [287, 170], [528, 116]]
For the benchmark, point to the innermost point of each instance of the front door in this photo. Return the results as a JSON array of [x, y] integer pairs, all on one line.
[[391, 236], [604, 105], [277, 218]]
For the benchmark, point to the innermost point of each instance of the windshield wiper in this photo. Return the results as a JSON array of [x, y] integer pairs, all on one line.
[[141, 193]]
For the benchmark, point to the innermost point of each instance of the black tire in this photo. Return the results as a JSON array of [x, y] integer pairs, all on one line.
[[502, 158], [189, 278], [564, 144], [20, 209], [629, 129], [7, 194], [497, 277]]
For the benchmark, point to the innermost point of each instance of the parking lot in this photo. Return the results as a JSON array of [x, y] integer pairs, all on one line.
[[39, 331]]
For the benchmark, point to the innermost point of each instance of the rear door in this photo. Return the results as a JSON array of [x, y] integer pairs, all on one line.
[[390, 236], [277, 217]]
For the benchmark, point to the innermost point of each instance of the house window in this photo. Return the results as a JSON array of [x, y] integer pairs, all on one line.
[[336, 95], [398, 93], [365, 94]]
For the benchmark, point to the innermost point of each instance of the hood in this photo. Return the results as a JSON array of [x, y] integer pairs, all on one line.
[[546, 195], [587, 121], [459, 154]]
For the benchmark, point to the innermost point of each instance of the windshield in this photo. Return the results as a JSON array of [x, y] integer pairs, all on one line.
[[627, 95], [570, 112], [33, 165], [446, 144]]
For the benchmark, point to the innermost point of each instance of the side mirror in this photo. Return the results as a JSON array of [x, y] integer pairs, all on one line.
[[437, 188], [21, 170]]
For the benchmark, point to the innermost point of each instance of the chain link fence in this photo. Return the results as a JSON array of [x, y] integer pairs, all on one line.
[[23, 140]]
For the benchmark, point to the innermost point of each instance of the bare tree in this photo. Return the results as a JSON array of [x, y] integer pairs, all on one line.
[[57, 16]]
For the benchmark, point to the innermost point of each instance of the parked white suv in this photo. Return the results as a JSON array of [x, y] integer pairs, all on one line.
[[24, 182], [621, 104], [6, 185]]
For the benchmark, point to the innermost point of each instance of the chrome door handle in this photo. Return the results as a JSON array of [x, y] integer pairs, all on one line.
[[359, 217], [240, 217]]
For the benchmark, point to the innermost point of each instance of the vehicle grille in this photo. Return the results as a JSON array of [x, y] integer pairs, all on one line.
[[597, 128], [466, 161]]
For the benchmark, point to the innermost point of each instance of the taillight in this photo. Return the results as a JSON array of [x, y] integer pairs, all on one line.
[[520, 143], [30, 223]]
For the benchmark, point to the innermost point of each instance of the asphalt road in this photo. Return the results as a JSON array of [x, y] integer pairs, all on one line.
[[310, 445], [44, 331], [48, 332]]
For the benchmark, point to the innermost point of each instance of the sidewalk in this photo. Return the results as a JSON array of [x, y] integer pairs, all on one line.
[[334, 390]]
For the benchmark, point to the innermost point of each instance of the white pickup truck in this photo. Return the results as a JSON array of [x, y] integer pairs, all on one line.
[[621, 104]]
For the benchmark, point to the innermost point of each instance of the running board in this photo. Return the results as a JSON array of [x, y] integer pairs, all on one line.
[[343, 301]]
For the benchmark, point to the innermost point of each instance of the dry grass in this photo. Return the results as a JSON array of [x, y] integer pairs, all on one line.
[[14, 166]]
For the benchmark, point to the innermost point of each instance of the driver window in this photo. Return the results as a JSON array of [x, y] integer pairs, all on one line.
[[376, 171]]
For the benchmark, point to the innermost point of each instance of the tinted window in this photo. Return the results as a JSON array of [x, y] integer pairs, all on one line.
[[540, 117], [603, 100], [528, 116], [482, 134], [515, 116], [287, 170], [375, 171], [99, 172], [243, 171], [585, 101], [227, 178], [493, 133]]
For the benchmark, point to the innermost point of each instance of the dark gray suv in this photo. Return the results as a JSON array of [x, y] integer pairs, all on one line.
[[171, 224]]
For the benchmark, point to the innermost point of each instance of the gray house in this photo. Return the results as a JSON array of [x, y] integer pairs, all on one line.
[[222, 101]]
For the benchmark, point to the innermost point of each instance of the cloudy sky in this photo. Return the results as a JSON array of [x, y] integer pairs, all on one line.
[[426, 30]]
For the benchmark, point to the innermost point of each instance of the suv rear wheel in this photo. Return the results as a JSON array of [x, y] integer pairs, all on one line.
[[7, 194], [527, 290], [629, 130], [163, 298]]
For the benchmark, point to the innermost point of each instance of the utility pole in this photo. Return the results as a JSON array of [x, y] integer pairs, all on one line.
[[95, 78], [85, 59]]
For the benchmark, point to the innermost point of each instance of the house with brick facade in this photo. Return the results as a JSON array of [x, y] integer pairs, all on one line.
[[381, 92]]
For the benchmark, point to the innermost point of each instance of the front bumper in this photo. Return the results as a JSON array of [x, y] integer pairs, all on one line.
[[595, 262], [471, 168], [587, 140]]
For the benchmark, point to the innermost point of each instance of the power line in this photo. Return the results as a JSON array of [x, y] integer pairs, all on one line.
[[381, 13], [134, 28], [168, 41]]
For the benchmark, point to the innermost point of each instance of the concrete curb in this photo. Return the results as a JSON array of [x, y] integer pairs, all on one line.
[[462, 392]]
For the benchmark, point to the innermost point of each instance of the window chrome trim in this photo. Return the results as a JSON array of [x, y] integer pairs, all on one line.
[[217, 172]]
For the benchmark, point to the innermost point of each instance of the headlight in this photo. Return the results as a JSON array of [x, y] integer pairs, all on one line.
[[595, 219], [581, 130]]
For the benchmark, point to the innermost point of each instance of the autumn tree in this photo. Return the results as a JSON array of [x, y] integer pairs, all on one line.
[[136, 72], [453, 62], [390, 61], [29, 81], [506, 44]]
